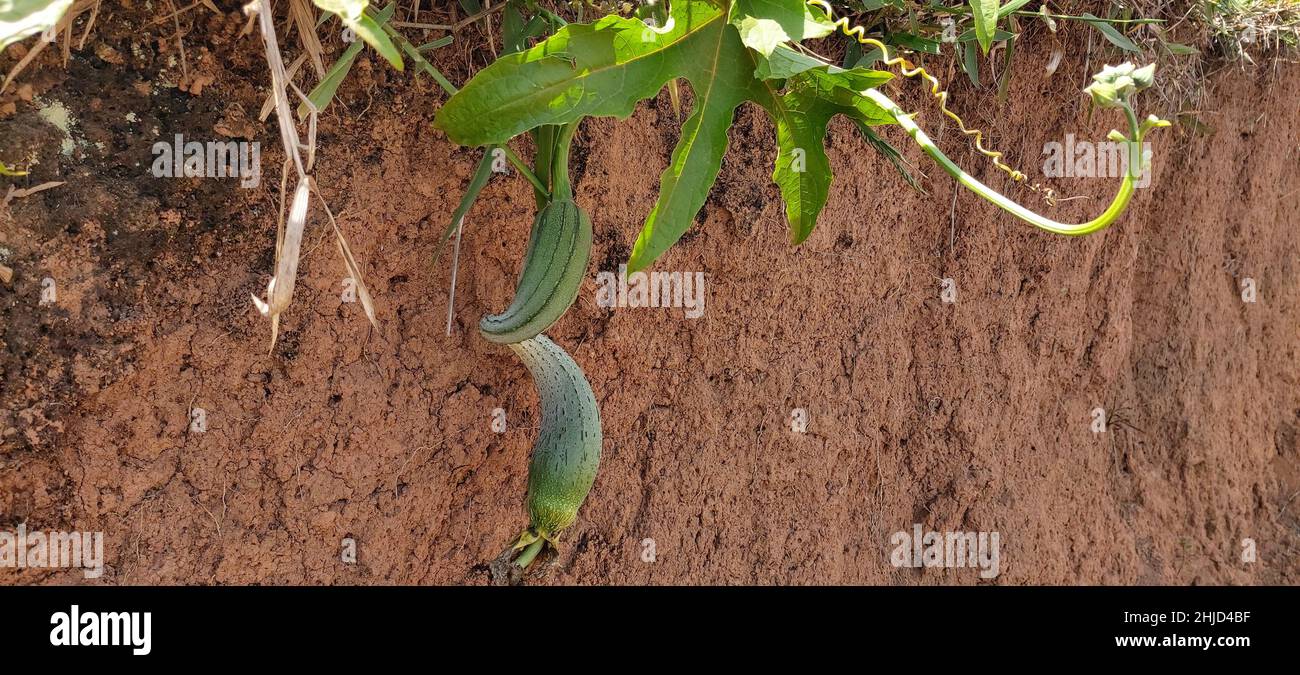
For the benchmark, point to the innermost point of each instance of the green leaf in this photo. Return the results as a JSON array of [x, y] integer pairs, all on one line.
[[1181, 49], [785, 63], [368, 30], [605, 68], [1011, 7], [323, 93], [722, 79], [891, 153], [873, 5], [1112, 34], [512, 28], [761, 35], [1004, 79], [998, 35], [817, 92], [803, 171], [21, 18], [854, 56], [602, 68], [985, 15], [915, 43], [353, 15], [434, 44], [970, 63], [347, 10], [515, 31], [476, 183], [764, 24], [815, 23]]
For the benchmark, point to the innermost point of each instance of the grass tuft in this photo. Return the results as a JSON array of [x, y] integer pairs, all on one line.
[[1239, 27]]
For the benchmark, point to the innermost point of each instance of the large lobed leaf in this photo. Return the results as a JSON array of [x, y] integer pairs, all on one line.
[[603, 68], [766, 24], [814, 94], [607, 67]]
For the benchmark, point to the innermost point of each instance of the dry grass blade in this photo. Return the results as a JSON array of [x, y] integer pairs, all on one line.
[[455, 266], [94, 14], [288, 245], [269, 104], [27, 192], [312, 115], [36, 49], [180, 42], [174, 13], [67, 41], [306, 23], [64, 25], [1243, 26], [350, 261], [279, 83]]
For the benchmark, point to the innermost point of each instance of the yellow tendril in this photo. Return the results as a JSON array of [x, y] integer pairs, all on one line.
[[909, 70]]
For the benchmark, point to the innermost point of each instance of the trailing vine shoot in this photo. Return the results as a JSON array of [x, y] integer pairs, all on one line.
[[730, 53], [763, 402]]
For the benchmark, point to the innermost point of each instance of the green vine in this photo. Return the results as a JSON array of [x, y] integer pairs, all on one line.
[[743, 51]]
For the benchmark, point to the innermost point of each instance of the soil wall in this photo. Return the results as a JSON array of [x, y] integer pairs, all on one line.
[[973, 416]]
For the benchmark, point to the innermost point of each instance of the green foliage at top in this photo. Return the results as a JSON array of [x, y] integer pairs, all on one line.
[[985, 14], [21, 18], [353, 15], [766, 24], [605, 68]]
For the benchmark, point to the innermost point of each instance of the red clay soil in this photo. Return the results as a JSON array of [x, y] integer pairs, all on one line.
[[972, 416]]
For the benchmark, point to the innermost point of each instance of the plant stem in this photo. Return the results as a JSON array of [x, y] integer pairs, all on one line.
[[524, 170], [526, 558], [1113, 211], [414, 53], [554, 18], [560, 171], [544, 139], [451, 90]]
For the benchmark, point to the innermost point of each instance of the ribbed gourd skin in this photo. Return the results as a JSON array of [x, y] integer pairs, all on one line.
[[558, 251], [567, 453]]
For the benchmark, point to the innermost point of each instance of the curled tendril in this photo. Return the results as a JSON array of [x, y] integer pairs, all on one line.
[[908, 69], [1111, 88]]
